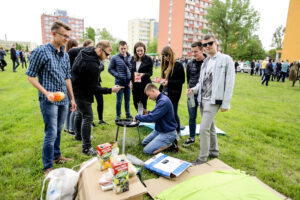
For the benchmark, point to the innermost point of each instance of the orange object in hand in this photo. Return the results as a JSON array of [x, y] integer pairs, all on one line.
[[58, 96]]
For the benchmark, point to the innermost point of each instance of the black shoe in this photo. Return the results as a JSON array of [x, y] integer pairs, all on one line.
[[90, 151], [211, 156], [182, 127], [174, 146], [72, 133], [66, 130], [129, 117], [78, 138], [102, 122], [189, 141], [93, 124], [198, 162], [117, 118]]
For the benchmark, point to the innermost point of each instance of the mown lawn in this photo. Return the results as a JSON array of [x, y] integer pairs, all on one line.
[[263, 134]]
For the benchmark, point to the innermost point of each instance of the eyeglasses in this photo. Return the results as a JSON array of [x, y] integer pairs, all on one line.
[[106, 54], [209, 43], [65, 36]]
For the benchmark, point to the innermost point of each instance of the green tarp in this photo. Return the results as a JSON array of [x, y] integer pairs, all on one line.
[[223, 185]]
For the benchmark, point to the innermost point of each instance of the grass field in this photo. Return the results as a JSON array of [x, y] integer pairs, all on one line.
[[263, 134]]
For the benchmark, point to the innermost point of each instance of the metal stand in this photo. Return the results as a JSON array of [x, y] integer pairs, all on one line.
[[124, 136]]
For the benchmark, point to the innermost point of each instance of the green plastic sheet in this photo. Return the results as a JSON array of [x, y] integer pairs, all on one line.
[[218, 185]]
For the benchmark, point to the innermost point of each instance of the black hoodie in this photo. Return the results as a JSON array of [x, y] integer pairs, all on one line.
[[86, 75]]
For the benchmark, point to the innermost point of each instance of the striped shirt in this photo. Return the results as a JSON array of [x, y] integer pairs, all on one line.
[[52, 69]]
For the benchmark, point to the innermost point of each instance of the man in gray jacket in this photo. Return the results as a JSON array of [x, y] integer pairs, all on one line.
[[214, 91]]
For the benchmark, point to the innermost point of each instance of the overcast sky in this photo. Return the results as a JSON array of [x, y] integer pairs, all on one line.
[[21, 20]]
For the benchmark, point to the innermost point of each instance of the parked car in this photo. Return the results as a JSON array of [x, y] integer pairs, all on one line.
[[243, 68]]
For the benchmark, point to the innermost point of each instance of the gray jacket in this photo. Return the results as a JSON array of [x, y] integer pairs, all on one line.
[[223, 74]]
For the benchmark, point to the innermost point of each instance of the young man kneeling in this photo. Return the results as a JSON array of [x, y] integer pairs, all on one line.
[[164, 134]]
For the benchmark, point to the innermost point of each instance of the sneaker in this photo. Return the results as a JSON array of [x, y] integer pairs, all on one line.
[[189, 141], [61, 160], [117, 118], [46, 172], [129, 117], [72, 133], [211, 156], [93, 124], [66, 130], [182, 127], [90, 152], [198, 162], [102, 122]]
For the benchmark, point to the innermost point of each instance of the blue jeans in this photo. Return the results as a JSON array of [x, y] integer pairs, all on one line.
[[126, 92], [69, 124], [193, 117], [54, 117], [156, 140]]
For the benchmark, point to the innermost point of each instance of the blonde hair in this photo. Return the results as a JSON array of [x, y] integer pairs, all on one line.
[[58, 24], [103, 44], [166, 70]]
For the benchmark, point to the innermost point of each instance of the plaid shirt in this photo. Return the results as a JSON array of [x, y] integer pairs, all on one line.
[[52, 69]]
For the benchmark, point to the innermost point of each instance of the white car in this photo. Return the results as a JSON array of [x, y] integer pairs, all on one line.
[[243, 68]]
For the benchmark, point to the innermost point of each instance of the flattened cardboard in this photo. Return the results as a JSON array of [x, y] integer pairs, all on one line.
[[89, 188], [156, 186]]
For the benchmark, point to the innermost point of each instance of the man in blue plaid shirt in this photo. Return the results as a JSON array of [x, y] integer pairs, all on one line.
[[50, 63]]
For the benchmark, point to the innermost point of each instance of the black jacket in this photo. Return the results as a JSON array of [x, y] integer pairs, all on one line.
[[86, 75], [269, 68], [146, 67], [193, 72], [13, 54], [73, 53], [175, 82]]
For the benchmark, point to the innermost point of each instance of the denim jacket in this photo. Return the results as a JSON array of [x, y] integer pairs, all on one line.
[[223, 74]]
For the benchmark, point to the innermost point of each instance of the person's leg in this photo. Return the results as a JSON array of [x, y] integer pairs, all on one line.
[[50, 113], [283, 76], [4, 64], [267, 79], [99, 99], [175, 107], [67, 123], [135, 96], [127, 101], [208, 112], [149, 138], [17, 64], [85, 108], [61, 118], [77, 124], [119, 102], [144, 100], [72, 121], [214, 147], [22, 64], [160, 141], [14, 65], [192, 118]]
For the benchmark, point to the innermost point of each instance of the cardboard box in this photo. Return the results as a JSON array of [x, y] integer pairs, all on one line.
[[89, 188], [156, 186], [166, 166]]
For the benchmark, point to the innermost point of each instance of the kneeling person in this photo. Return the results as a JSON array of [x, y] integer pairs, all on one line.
[[164, 134]]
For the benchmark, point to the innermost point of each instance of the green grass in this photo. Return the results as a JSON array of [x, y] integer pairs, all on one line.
[[263, 134]]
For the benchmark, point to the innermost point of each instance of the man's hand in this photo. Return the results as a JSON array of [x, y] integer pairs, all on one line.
[[50, 96], [116, 88], [223, 110], [189, 91], [134, 119], [164, 83], [73, 105], [130, 85]]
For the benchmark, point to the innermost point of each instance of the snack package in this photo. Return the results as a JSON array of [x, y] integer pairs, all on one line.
[[132, 170], [57, 96], [137, 77], [121, 176], [106, 180], [104, 155]]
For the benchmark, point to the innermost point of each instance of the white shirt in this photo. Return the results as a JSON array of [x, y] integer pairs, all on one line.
[[138, 64]]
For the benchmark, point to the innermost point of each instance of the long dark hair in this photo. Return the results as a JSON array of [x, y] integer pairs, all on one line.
[[138, 44], [70, 44], [167, 69]]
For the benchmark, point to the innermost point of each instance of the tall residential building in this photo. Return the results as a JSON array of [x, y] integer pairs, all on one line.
[[291, 42], [180, 24], [77, 25], [143, 30]]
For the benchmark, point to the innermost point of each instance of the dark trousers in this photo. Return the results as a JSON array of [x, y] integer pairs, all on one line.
[[24, 62], [100, 104], [139, 96], [175, 108], [283, 75], [83, 122], [2, 64], [126, 92], [266, 79], [252, 71], [14, 64]]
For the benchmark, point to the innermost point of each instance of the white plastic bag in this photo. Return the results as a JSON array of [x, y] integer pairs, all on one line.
[[63, 182]]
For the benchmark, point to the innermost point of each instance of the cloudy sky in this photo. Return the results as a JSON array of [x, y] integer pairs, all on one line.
[[21, 20]]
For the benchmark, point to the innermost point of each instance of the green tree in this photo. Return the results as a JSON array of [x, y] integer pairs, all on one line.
[[272, 53], [277, 39], [89, 33], [19, 46], [152, 46], [103, 34], [233, 22], [251, 50]]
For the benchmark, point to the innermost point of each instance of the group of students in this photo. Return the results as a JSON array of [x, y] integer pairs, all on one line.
[[210, 81]]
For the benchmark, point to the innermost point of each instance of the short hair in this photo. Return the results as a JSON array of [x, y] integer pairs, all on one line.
[[208, 36], [122, 43], [197, 44], [58, 24], [149, 87], [87, 42], [1, 47], [103, 44]]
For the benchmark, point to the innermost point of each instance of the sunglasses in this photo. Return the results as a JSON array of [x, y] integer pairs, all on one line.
[[209, 43], [106, 54], [65, 36]]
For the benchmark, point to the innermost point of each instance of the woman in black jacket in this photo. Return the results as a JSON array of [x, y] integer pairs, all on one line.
[[172, 73], [142, 66]]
